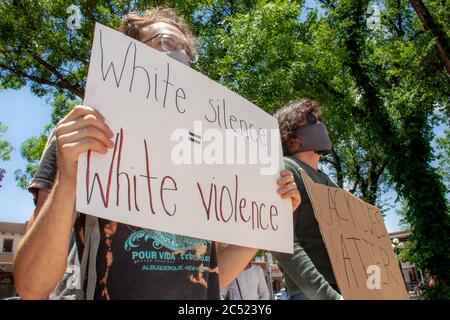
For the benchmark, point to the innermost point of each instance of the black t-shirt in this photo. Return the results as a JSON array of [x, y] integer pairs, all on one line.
[[136, 263]]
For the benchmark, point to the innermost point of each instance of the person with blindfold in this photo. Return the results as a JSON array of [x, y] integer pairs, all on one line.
[[304, 137]]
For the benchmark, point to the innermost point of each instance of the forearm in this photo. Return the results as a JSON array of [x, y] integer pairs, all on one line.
[[41, 258], [232, 260]]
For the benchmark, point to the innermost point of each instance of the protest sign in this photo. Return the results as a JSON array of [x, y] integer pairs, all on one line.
[[357, 243], [190, 157]]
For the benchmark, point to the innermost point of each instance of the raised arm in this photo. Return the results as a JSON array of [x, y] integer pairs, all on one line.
[[41, 257]]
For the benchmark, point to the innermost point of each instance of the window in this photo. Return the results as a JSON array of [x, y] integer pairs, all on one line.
[[8, 245], [412, 276]]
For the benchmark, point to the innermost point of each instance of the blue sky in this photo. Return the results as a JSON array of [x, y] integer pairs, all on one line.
[[25, 115]]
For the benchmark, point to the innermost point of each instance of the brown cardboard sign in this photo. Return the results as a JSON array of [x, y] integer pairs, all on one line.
[[357, 243]]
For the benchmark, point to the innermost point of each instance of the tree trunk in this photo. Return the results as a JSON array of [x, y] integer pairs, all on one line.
[[442, 43], [338, 167]]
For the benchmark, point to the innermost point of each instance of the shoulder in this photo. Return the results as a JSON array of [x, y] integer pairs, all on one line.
[[329, 182], [291, 165], [257, 269], [294, 167], [46, 171]]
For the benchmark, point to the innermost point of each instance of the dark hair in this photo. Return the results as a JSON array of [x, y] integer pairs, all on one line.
[[133, 22], [291, 115]]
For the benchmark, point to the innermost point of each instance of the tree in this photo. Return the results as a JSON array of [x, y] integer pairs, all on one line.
[[5, 151], [443, 157], [37, 47], [442, 41], [379, 87], [398, 113]]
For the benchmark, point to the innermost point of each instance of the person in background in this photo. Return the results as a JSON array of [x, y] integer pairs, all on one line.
[[308, 273], [250, 285]]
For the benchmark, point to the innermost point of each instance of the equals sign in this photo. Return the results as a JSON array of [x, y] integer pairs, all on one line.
[[193, 137]]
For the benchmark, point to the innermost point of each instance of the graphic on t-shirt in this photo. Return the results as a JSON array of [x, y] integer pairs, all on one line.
[[151, 254], [162, 251], [173, 242]]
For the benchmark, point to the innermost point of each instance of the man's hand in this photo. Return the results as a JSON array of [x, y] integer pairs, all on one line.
[[288, 188], [81, 130]]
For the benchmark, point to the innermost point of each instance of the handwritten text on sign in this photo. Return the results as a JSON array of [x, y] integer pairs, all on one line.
[[165, 114], [357, 241]]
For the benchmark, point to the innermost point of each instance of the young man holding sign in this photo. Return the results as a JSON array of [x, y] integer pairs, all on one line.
[[308, 271], [183, 267]]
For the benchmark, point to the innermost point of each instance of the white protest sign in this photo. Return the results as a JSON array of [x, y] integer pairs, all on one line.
[[190, 156]]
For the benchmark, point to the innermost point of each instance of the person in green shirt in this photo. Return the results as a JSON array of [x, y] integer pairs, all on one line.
[[308, 272]]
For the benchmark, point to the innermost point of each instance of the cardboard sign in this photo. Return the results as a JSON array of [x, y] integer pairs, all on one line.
[[190, 156], [357, 243]]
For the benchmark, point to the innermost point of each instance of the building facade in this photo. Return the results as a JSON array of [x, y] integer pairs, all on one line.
[[10, 236], [411, 274]]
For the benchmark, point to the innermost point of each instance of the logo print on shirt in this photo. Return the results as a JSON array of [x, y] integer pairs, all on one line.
[[160, 239]]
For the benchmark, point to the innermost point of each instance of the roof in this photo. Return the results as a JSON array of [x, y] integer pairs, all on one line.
[[400, 234], [12, 227]]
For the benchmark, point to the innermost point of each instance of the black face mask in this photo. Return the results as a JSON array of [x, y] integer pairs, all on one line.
[[314, 137]]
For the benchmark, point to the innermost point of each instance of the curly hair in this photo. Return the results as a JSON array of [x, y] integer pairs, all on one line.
[[133, 22], [291, 115]]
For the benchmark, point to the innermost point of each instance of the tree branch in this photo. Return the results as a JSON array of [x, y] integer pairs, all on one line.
[[355, 185], [375, 173], [64, 83], [442, 43], [338, 167], [31, 77], [361, 181], [328, 3]]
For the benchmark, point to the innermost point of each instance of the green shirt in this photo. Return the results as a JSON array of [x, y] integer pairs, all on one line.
[[308, 269]]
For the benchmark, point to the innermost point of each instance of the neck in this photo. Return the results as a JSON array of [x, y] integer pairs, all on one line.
[[309, 157]]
